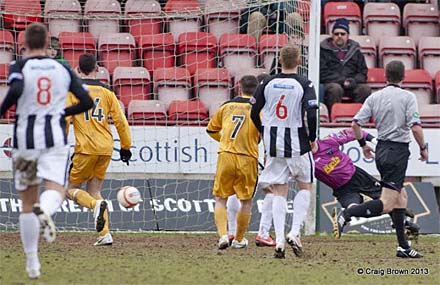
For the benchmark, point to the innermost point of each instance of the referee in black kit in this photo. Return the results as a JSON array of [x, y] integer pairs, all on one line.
[[395, 113]]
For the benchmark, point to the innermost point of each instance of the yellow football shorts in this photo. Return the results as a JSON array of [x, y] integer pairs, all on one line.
[[86, 166], [235, 174]]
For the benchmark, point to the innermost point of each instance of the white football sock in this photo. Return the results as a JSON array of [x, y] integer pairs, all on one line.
[[232, 206], [30, 233], [300, 207], [50, 201], [266, 216], [279, 208]]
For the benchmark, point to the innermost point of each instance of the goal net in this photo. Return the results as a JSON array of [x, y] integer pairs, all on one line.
[[171, 67]]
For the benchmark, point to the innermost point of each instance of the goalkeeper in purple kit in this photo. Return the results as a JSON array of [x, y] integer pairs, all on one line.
[[335, 168]]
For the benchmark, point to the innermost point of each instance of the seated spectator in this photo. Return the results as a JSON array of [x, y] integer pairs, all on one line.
[[343, 70], [54, 52], [261, 15]]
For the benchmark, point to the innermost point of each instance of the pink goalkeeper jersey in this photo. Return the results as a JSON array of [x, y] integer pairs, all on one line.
[[332, 166]]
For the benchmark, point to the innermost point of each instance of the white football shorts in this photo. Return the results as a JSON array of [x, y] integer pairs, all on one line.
[[31, 166], [278, 170]]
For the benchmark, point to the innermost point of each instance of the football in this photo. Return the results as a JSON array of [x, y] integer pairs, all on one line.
[[129, 196]]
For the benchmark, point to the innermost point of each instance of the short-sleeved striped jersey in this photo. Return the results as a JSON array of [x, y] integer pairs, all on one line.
[[283, 100], [92, 129], [40, 121], [238, 133]]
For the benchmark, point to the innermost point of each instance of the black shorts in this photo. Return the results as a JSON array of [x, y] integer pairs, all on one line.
[[360, 183], [392, 161]]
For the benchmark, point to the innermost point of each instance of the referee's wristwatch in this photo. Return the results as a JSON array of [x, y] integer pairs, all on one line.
[[424, 147]]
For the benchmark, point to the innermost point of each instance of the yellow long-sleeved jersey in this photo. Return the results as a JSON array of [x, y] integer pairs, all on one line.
[[92, 129], [239, 134]]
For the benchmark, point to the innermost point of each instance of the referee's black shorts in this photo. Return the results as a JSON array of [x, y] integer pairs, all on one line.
[[360, 183], [392, 161]]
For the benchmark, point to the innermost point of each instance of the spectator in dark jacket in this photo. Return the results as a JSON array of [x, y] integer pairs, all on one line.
[[343, 70]]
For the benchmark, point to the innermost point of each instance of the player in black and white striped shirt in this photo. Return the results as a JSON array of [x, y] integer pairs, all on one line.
[[283, 101], [39, 87]]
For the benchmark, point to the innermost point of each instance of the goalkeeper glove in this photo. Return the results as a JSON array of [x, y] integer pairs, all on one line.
[[125, 155]]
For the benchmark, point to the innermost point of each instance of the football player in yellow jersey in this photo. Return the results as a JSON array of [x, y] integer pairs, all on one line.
[[94, 146], [237, 163]]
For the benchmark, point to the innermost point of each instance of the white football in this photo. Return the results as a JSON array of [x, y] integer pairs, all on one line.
[[129, 196]]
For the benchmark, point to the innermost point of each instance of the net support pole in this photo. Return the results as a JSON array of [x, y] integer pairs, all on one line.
[[312, 227]]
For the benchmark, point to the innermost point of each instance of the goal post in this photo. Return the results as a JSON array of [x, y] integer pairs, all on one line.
[[170, 68]]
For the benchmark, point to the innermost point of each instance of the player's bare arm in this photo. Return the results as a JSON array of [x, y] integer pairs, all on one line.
[[418, 135]]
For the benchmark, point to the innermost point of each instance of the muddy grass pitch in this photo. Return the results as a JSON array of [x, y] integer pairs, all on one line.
[[170, 258]]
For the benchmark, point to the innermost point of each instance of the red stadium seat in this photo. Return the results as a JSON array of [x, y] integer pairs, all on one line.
[[182, 6], [182, 16], [102, 16], [147, 112], [103, 75], [187, 112], [74, 44], [397, 48], [376, 78], [212, 85], [62, 16], [421, 20], [172, 83], [237, 51], [143, 17], [131, 83], [4, 69], [116, 49], [430, 114], [223, 16], [344, 112], [6, 46], [157, 51], [269, 46], [9, 115], [381, 20], [437, 85], [303, 9], [419, 82], [348, 10], [429, 54], [323, 113], [197, 50], [368, 49], [20, 13]]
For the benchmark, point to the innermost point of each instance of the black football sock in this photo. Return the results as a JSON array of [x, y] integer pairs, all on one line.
[[399, 224], [406, 222], [368, 209]]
